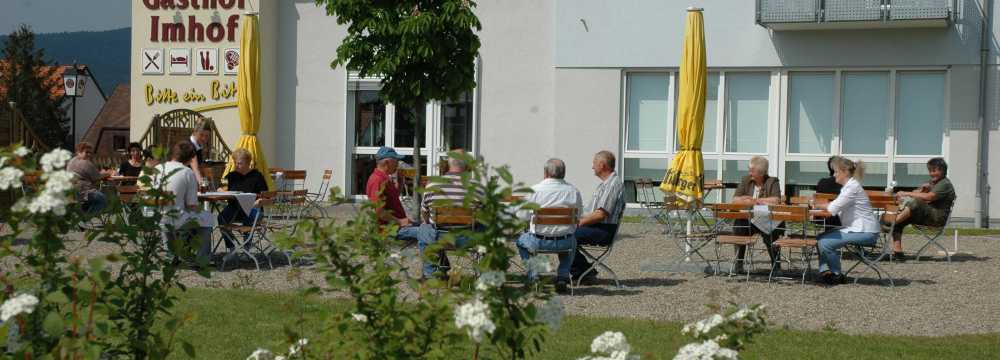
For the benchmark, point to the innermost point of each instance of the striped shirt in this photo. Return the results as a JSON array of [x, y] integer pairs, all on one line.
[[451, 192], [608, 197]]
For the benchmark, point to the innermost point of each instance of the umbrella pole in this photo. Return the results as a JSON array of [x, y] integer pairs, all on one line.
[[687, 238]]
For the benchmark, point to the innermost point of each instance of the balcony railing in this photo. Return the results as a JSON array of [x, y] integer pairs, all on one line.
[[853, 14]]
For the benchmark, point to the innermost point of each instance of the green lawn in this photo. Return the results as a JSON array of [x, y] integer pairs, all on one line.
[[230, 324]]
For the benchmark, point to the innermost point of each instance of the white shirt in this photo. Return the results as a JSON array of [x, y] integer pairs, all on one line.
[[197, 146], [854, 208], [179, 180], [553, 193]]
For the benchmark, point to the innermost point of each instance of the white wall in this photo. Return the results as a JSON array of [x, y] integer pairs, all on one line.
[[87, 108], [517, 109], [588, 119], [310, 104]]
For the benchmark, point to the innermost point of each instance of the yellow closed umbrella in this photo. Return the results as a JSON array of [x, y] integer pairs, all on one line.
[[248, 96], [685, 177]]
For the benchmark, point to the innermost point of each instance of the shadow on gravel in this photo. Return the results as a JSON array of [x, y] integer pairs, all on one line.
[[954, 258]]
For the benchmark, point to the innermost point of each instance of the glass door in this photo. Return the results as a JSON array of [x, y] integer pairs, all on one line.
[[453, 129]]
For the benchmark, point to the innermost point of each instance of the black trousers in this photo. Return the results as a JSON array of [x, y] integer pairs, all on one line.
[[744, 228], [595, 234]]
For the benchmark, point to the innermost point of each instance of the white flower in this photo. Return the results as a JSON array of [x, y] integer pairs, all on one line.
[[279, 357], [21, 304], [490, 279], [55, 159], [539, 264], [708, 350], [481, 250], [22, 151], [10, 178], [3, 160], [395, 256], [261, 354], [59, 181], [476, 316], [703, 326], [296, 348], [360, 317], [609, 342], [551, 313], [48, 201]]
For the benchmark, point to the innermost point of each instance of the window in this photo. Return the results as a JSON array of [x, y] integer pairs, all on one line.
[[747, 103], [369, 118], [407, 120], [648, 111], [119, 142], [456, 118], [810, 113], [919, 113], [711, 115], [911, 175], [805, 172], [865, 112]]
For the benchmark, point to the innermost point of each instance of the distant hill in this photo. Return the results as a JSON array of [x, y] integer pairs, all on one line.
[[106, 52]]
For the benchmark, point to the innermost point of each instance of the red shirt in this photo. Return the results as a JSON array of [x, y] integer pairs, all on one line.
[[381, 188]]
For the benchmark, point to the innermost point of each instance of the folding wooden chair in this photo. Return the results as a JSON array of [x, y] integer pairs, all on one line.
[[796, 236], [556, 216], [452, 218], [871, 255], [726, 216], [605, 251], [932, 234], [255, 235]]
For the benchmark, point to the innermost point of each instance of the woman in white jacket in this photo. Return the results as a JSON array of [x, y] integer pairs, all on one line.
[[855, 210]]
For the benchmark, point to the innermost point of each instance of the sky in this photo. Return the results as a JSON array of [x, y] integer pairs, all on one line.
[[48, 16]]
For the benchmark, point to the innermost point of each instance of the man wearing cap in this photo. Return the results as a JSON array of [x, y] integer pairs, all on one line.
[[382, 191]]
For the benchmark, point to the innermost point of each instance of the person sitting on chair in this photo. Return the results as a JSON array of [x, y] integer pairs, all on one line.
[[829, 185], [599, 223], [189, 219], [243, 178], [87, 179], [451, 193], [133, 165], [382, 191], [757, 188], [930, 204], [552, 192], [854, 207]]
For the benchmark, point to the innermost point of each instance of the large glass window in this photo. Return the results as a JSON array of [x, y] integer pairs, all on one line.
[[648, 111], [919, 113], [810, 113], [369, 118], [805, 172], [652, 169], [747, 112], [406, 123], [456, 123], [911, 175], [865, 112]]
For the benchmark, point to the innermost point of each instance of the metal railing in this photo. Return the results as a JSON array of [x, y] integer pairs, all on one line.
[[834, 11], [168, 128]]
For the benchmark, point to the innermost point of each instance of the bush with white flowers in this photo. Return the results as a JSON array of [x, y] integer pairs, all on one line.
[[610, 345], [74, 307], [722, 335], [432, 317]]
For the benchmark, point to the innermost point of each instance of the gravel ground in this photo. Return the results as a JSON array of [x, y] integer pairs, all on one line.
[[931, 297]]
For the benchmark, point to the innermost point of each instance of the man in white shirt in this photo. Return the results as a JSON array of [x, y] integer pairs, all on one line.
[[552, 192], [185, 215]]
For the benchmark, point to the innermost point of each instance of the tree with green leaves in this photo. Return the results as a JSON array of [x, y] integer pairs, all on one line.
[[422, 49], [27, 77]]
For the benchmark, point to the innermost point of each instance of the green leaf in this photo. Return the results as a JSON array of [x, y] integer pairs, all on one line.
[[53, 324], [57, 297], [188, 349], [505, 174]]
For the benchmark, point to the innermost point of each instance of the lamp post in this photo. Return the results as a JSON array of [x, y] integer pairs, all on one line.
[[74, 83]]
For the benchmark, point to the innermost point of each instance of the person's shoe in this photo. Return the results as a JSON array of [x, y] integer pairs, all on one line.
[[562, 286], [827, 277], [840, 279], [230, 256], [899, 256]]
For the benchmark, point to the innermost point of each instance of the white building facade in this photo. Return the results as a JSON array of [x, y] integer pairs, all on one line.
[[567, 78]]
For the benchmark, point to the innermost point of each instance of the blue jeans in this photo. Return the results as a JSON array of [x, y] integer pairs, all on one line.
[[596, 234], [93, 202], [831, 241], [528, 243], [427, 236]]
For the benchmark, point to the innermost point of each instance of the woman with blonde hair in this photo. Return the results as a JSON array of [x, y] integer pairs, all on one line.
[[859, 224], [244, 178]]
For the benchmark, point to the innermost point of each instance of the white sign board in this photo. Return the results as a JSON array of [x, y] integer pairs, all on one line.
[[151, 61]]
